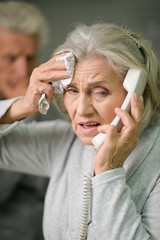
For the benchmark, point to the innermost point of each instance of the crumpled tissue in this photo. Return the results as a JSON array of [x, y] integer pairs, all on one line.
[[58, 85]]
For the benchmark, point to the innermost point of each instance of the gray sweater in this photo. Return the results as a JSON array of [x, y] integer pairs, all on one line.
[[125, 202]]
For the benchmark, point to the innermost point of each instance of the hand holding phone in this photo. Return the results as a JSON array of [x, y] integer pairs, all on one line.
[[135, 81]]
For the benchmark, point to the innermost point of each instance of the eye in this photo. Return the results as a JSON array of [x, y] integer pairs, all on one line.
[[11, 58], [100, 91], [71, 90], [31, 57]]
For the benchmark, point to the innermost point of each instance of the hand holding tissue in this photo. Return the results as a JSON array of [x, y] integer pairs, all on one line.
[[58, 85]]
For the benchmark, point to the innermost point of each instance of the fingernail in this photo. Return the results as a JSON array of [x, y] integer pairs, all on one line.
[[135, 97], [117, 109]]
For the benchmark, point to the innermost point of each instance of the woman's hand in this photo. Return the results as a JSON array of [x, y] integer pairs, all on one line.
[[39, 83], [117, 146], [40, 79]]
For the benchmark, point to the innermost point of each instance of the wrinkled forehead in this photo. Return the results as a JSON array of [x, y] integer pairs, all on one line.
[[92, 70]]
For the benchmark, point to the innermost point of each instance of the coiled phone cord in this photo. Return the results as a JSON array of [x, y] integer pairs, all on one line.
[[85, 206]]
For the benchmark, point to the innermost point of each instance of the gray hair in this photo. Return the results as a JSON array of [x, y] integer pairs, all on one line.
[[123, 49], [24, 18]]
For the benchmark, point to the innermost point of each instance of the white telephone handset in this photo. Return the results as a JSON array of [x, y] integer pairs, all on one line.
[[135, 81]]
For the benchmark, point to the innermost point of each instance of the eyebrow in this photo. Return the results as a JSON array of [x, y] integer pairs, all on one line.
[[91, 84], [97, 83]]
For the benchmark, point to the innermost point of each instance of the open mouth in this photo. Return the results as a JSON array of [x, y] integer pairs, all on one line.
[[89, 127]]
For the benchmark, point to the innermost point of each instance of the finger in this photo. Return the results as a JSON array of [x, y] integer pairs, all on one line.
[[107, 129], [111, 135], [54, 75], [55, 57], [54, 64], [125, 117], [48, 90], [137, 108], [38, 90], [49, 75]]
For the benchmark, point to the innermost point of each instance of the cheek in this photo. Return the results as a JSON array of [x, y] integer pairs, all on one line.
[[71, 109], [69, 106], [107, 110]]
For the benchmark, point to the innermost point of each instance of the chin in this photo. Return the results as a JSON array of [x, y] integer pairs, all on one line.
[[87, 141]]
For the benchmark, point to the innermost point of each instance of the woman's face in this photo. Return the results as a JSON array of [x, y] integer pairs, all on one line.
[[96, 89]]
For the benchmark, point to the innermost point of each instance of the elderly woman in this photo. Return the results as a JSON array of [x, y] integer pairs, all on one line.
[[122, 196]]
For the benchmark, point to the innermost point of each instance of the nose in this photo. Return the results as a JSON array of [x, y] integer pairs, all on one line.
[[21, 68], [85, 106]]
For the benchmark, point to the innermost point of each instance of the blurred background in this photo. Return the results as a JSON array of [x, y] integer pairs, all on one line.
[[142, 16]]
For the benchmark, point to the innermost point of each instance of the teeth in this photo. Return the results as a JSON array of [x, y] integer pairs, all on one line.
[[90, 124]]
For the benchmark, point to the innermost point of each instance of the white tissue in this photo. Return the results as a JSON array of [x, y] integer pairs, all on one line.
[[69, 60], [43, 105], [58, 85]]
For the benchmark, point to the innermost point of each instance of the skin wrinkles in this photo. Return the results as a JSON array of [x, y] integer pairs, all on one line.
[[94, 89]]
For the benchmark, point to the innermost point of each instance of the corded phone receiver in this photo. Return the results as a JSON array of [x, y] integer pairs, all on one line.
[[135, 81]]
